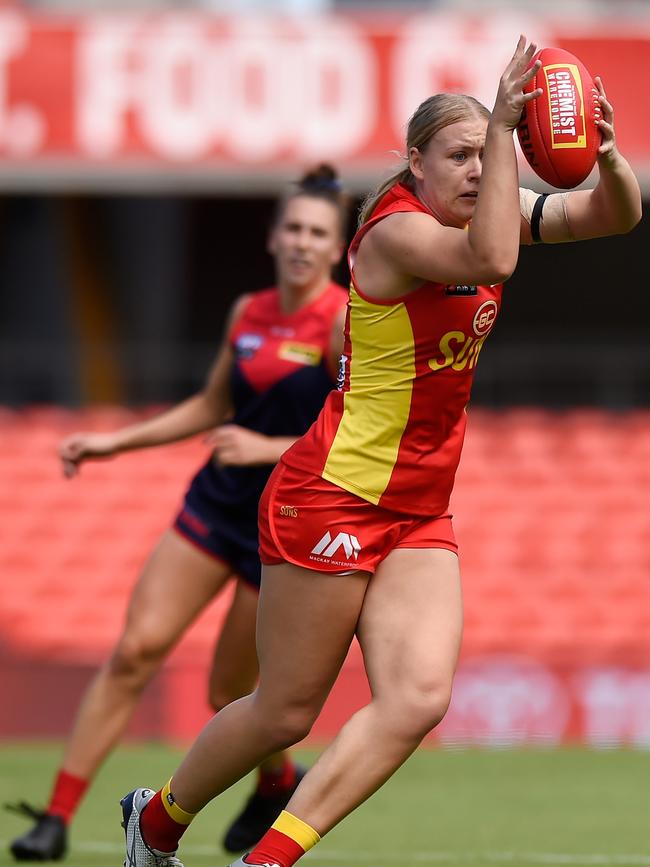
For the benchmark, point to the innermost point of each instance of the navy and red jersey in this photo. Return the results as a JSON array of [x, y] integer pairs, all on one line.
[[393, 433], [279, 381]]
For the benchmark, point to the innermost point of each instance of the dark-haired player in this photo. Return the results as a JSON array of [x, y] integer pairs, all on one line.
[[278, 361]]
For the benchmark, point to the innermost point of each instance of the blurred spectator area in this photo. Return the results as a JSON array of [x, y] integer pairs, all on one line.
[[122, 300], [552, 513]]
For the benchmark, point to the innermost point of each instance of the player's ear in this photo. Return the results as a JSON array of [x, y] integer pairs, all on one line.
[[415, 163]]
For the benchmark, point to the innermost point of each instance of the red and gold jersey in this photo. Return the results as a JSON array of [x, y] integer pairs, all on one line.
[[279, 379], [393, 431]]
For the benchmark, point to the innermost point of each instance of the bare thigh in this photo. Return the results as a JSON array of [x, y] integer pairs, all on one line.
[[410, 629], [176, 584], [234, 665], [306, 622]]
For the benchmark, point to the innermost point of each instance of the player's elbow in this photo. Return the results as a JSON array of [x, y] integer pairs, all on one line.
[[494, 263], [497, 269], [501, 274], [213, 407]]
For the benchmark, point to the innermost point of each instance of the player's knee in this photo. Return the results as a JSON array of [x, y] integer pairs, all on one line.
[[287, 723], [423, 707], [135, 659], [293, 727]]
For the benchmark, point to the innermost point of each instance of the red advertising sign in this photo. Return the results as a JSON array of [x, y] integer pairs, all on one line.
[[181, 94]]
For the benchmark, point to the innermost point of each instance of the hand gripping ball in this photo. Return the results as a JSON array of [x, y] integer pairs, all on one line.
[[557, 131]]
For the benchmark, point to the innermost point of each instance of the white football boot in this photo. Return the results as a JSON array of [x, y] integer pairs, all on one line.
[[138, 854]]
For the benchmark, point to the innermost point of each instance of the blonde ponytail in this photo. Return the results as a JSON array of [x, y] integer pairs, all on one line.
[[401, 176]]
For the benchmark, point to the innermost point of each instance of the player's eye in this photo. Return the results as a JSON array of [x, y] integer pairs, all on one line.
[[459, 157]]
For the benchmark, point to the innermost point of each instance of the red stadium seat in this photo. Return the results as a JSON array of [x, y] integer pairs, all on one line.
[[552, 514]]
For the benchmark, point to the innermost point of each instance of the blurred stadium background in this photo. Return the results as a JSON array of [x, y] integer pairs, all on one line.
[[141, 147]]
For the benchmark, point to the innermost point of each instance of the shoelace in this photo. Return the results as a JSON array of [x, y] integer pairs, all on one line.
[[25, 809], [168, 861]]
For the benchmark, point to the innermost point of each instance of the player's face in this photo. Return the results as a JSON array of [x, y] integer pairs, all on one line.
[[449, 170], [306, 241]]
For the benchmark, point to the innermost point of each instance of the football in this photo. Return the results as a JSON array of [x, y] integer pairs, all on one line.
[[557, 131]]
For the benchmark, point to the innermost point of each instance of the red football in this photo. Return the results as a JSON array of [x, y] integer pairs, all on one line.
[[557, 131]]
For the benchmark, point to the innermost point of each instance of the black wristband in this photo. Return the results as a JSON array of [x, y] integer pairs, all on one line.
[[536, 216]]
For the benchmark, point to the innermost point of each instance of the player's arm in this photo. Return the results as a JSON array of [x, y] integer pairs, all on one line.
[[207, 408], [241, 447], [613, 207], [238, 446], [407, 248], [411, 247]]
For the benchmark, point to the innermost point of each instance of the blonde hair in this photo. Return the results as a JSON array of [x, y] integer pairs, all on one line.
[[435, 113]]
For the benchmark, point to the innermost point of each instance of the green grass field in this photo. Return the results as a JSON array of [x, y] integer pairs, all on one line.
[[444, 807]]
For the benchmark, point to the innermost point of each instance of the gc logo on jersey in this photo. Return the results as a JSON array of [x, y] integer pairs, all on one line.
[[460, 350], [247, 345], [484, 318]]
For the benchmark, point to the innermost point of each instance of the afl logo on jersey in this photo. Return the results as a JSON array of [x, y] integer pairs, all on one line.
[[247, 345], [484, 318], [463, 291]]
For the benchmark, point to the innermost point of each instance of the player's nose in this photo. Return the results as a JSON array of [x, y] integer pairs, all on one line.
[[474, 167], [303, 238]]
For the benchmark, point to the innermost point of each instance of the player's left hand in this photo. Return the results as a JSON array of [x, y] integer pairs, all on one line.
[[607, 148], [238, 446]]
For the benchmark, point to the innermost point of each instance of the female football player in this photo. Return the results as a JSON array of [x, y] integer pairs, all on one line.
[[372, 552]]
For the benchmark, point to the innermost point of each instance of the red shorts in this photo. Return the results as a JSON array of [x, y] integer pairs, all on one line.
[[306, 520]]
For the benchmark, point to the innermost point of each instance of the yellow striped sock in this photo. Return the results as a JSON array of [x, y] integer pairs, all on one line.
[[299, 831], [180, 816]]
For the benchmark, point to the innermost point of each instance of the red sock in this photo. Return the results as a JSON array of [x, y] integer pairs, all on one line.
[[275, 848], [272, 782], [67, 793], [158, 828]]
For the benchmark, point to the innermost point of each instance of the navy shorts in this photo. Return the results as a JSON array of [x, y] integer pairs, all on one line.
[[225, 533]]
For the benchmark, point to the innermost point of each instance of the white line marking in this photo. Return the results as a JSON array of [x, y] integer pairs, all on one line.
[[620, 860]]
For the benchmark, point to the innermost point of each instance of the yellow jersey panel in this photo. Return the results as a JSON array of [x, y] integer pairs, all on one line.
[[377, 405]]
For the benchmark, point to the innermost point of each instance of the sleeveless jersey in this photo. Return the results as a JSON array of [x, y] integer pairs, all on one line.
[[393, 432], [279, 381]]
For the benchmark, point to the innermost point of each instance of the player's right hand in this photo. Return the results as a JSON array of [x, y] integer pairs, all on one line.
[[80, 447], [511, 98]]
